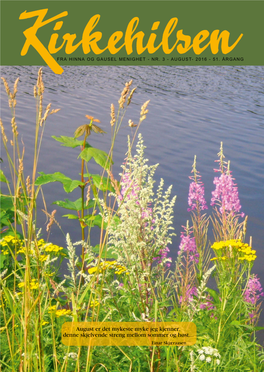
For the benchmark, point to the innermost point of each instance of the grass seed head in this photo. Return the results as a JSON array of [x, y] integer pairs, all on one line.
[[124, 94], [131, 95], [88, 195], [51, 220], [28, 186], [3, 131], [21, 167], [14, 126], [6, 87], [144, 111], [112, 114]]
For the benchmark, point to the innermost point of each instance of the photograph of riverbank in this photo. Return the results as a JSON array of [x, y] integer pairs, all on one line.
[[181, 112]]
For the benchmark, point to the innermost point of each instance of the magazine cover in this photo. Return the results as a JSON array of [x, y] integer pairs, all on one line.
[[132, 138]]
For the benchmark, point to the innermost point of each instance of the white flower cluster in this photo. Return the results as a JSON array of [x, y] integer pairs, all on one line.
[[201, 295], [71, 355], [209, 354], [143, 230]]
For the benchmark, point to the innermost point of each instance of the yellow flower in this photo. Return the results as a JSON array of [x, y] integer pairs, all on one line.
[[51, 308], [43, 258], [53, 248], [41, 242], [34, 284], [237, 246], [7, 240], [120, 269], [62, 312], [49, 274], [43, 323], [109, 265], [92, 270], [94, 303], [251, 257], [21, 251], [217, 245]]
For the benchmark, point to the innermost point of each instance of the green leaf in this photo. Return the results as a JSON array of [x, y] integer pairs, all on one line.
[[98, 221], [99, 156], [259, 328], [91, 220], [6, 202], [80, 301], [5, 218], [214, 294], [3, 177], [70, 141], [102, 183], [7, 211], [2, 260], [74, 205], [251, 328], [62, 301], [80, 131], [9, 297], [71, 216], [235, 323], [65, 252], [105, 253], [74, 307], [97, 129], [68, 184]]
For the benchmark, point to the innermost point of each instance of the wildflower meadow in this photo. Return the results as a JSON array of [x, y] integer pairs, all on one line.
[[129, 275]]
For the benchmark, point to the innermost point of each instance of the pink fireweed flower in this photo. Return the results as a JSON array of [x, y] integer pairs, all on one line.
[[196, 197], [188, 245], [253, 290], [190, 292], [147, 213], [163, 255], [226, 194], [208, 305]]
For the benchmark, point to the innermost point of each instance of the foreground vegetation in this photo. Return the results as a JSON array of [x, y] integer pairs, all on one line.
[[128, 275]]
